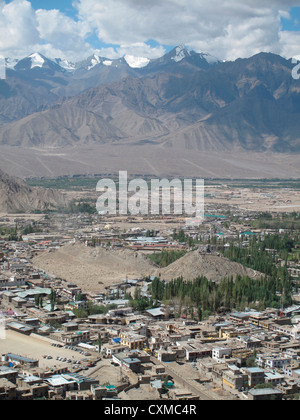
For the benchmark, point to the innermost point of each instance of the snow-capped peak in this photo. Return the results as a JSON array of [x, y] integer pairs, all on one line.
[[180, 53], [94, 61], [107, 63], [136, 62], [36, 60], [65, 64]]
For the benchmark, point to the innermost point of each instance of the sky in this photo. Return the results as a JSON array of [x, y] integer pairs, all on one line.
[[76, 29]]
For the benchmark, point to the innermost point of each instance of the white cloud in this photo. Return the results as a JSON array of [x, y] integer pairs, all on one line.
[[226, 29], [63, 34], [18, 26], [290, 42], [24, 30]]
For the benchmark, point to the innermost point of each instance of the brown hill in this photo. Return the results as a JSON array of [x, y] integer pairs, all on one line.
[[93, 269], [211, 266], [16, 196]]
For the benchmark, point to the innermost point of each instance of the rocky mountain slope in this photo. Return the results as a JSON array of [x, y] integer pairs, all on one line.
[[16, 197], [35, 82], [251, 104]]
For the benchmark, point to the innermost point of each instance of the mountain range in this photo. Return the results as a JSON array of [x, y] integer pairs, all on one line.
[[183, 102]]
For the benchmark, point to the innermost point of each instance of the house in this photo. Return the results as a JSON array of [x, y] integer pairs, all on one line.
[[234, 378], [8, 390], [221, 352], [23, 361], [292, 369], [195, 350], [8, 373], [132, 364], [133, 341], [274, 378], [157, 313], [20, 328], [112, 349], [60, 384], [71, 338], [80, 304], [166, 355], [256, 376], [83, 383], [265, 394], [272, 361]]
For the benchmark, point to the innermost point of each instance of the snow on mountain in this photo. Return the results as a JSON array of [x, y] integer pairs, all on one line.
[[94, 61], [136, 62], [65, 64], [180, 54], [107, 63], [36, 60]]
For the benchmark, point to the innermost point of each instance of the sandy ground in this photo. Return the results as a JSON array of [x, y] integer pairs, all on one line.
[[281, 200], [146, 160], [106, 373], [34, 348], [94, 269]]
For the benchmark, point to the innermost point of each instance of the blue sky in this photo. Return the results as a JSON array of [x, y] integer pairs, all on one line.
[[292, 24], [66, 6], [113, 28]]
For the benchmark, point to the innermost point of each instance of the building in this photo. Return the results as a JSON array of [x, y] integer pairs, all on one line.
[[221, 352], [274, 378], [8, 373], [265, 394], [132, 364], [8, 390], [256, 376], [272, 361], [112, 349], [23, 361], [72, 338], [195, 350], [133, 341], [20, 328], [234, 378]]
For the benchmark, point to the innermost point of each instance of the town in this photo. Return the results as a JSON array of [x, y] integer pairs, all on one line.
[[97, 307]]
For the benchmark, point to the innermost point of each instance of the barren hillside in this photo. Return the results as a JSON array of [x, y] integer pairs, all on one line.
[[94, 268], [16, 196], [211, 266]]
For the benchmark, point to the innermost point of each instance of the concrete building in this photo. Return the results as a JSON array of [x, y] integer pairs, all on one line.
[[265, 394], [256, 376]]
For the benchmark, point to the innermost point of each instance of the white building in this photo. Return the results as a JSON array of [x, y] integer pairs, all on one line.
[[219, 352]]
